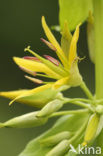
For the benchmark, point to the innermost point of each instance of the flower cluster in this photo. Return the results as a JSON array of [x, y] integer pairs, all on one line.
[[63, 73]]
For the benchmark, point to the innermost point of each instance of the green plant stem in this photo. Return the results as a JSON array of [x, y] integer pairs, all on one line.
[[98, 26], [79, 103], [77, 99], [98, 34], [69, 112], [87, 91]]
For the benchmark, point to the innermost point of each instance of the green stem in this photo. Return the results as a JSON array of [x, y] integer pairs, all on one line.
[[77, 99], [79, 103], [87, 91], [98, 26], [69, 112]]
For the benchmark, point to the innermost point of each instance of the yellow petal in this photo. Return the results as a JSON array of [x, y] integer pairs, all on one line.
[[31, 92], [73, 46], [13, 94], [35, 66], [61, 82], [54, 42], [66, 39], [37, 99]]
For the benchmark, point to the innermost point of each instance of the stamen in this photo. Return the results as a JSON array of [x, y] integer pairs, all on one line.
[[32, 58], [53, 60], [33, 73], [34, 79], [48, 44]]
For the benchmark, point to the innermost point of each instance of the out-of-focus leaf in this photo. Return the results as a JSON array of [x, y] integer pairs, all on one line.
[[70, 123], [74, 12], [90, 37], [99, 142]]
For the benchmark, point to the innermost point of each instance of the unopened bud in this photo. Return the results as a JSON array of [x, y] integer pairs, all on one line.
[[50, 108], [60, 149], [25, 121], [91, 128], [55, 139]]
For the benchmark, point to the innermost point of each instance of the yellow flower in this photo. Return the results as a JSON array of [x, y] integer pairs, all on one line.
[[61, 73], [65, 71]]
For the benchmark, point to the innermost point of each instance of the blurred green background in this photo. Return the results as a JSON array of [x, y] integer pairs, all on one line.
[[21, 26]]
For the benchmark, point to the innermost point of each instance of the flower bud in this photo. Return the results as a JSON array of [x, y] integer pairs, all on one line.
[[50, 108], [60, 149], [91, 128], [99, 109], [25, 121], [55, 139]]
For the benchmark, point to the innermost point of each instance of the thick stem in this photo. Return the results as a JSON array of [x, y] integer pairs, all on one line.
[[98, 25]]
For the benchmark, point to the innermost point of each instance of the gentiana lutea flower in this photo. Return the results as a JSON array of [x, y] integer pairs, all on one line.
[[63, 73]]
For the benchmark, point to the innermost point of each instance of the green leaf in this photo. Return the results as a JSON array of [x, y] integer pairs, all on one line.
[[74, 12], [90, 37], [70, 123], [99, 142]]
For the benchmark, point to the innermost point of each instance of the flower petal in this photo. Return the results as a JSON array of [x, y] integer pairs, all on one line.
[[53, 41], [58, 70], [66, 39], [61, 82], [31, 92], [73, 46], [38, 98], [35, 66]]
